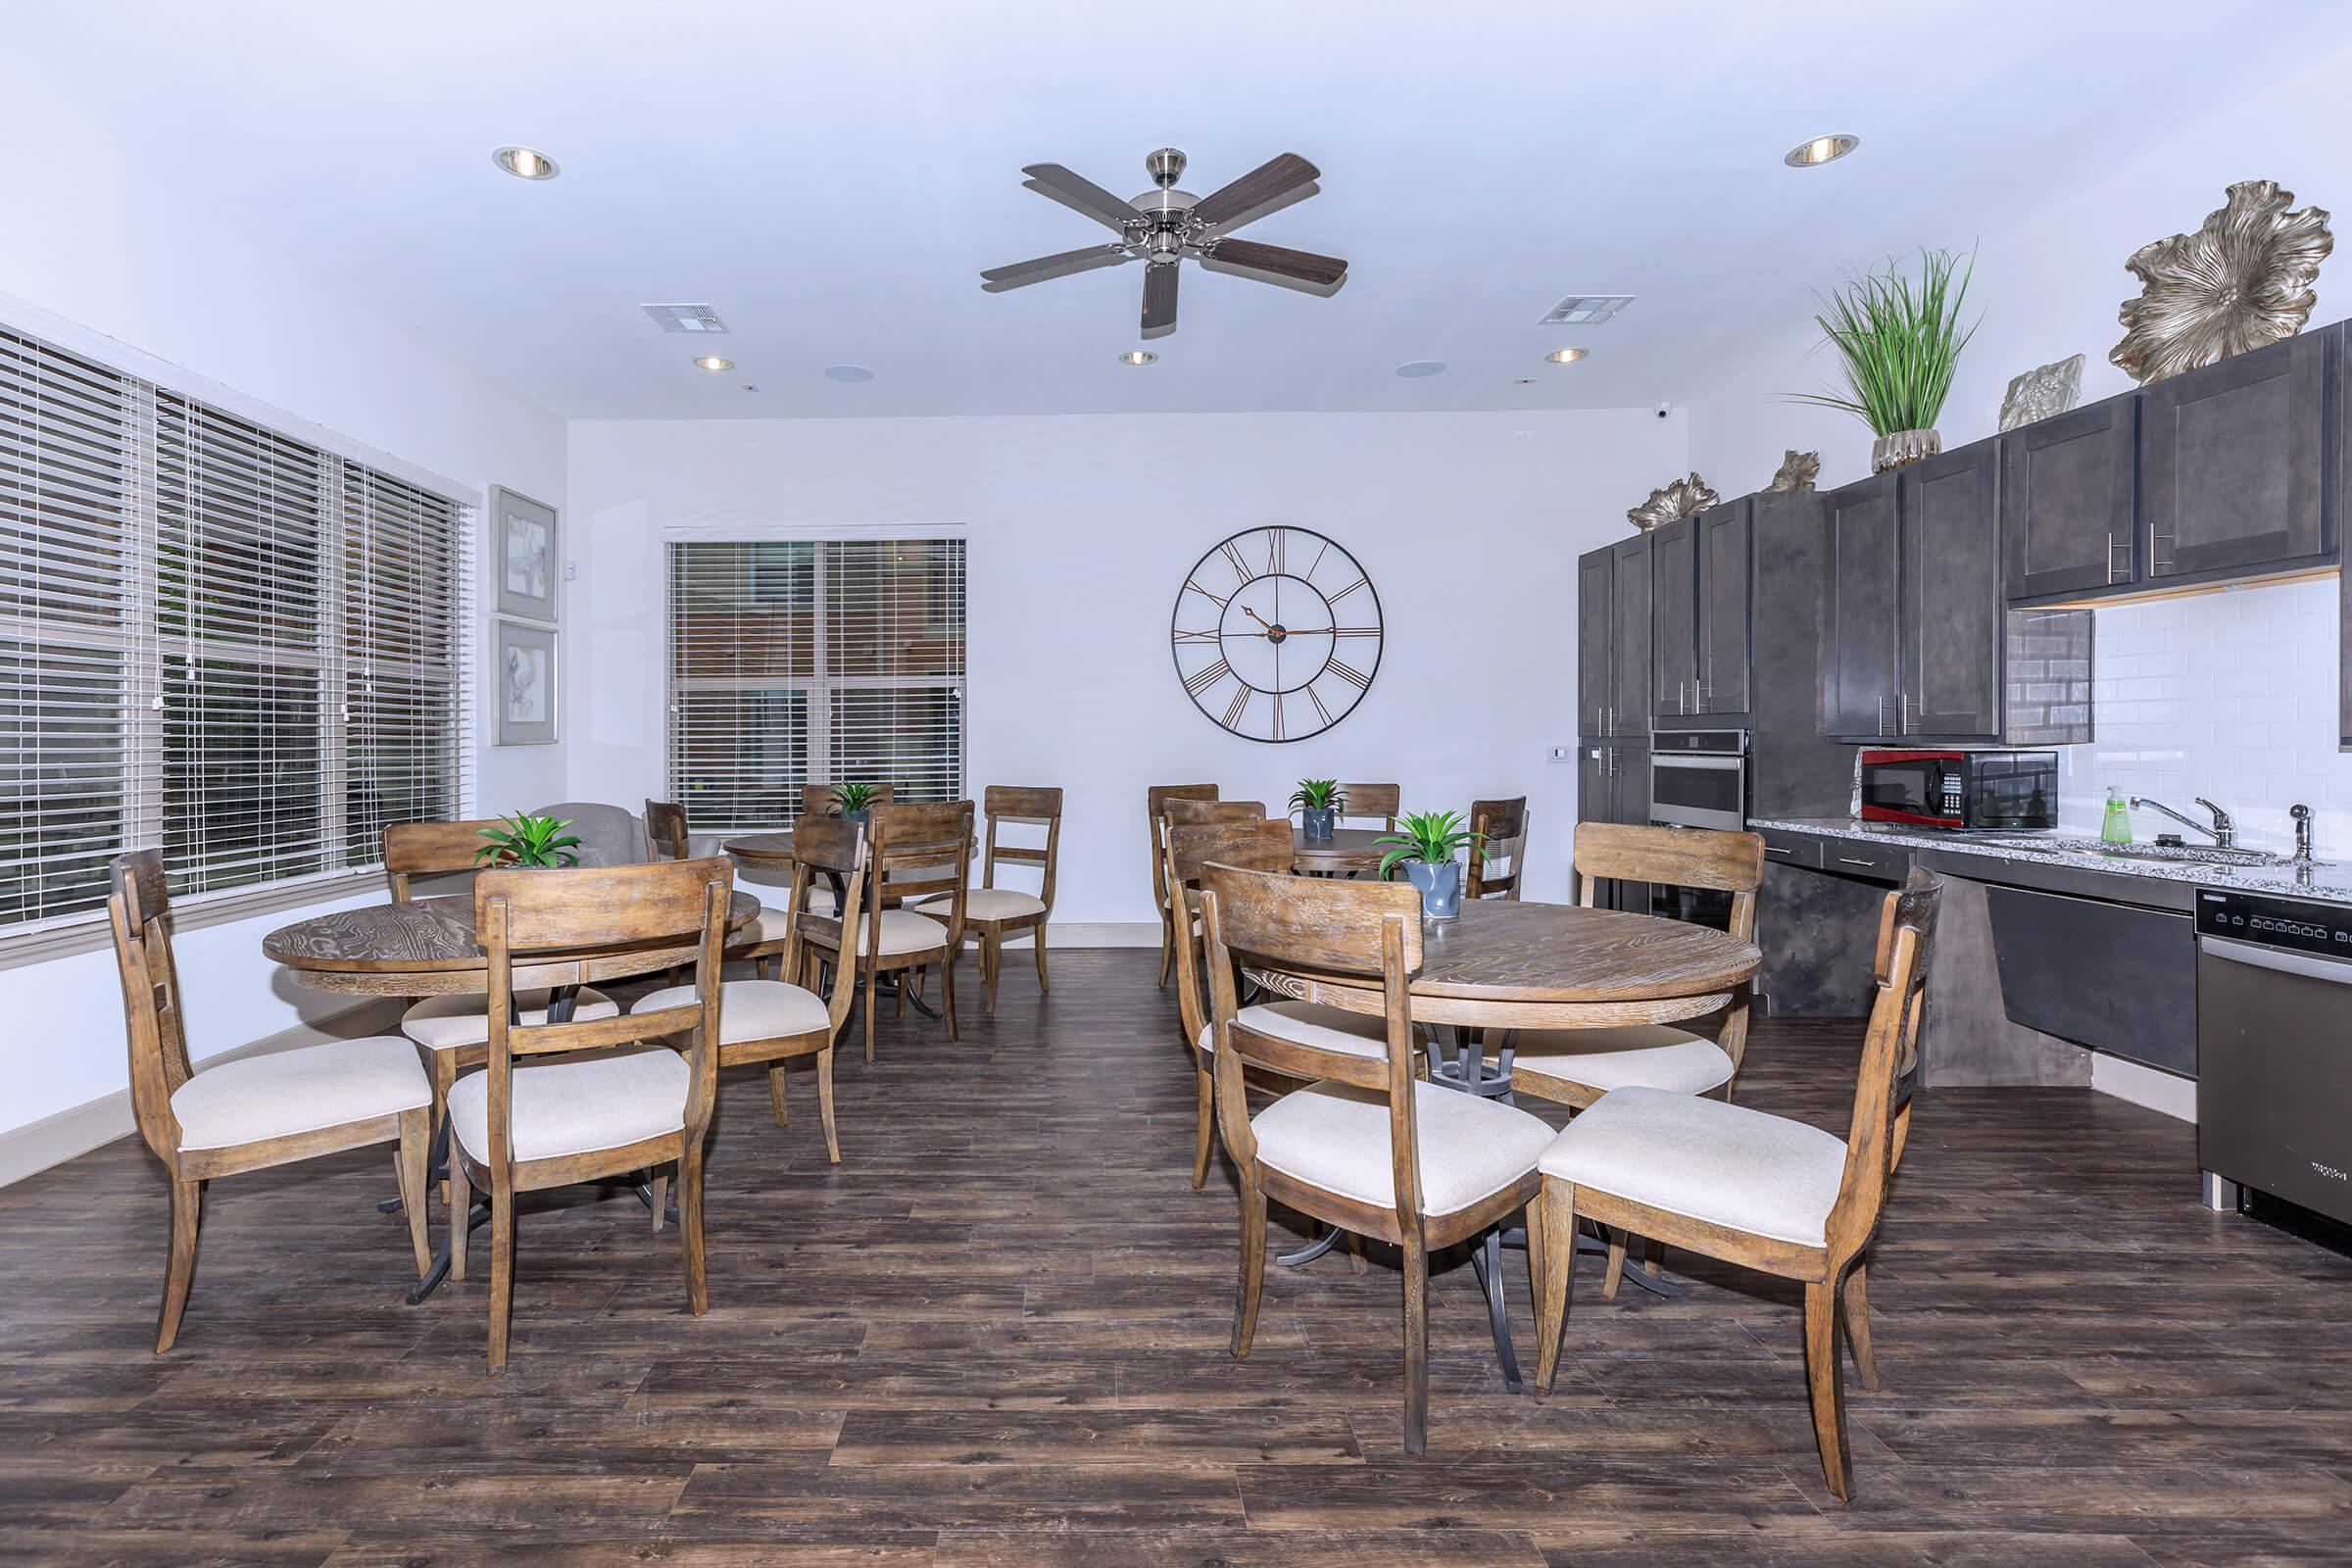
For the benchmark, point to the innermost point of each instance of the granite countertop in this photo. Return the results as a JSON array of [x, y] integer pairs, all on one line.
[[2322, 879]]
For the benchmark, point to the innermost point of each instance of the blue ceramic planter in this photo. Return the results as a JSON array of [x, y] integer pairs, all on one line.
[[1315, 826], [1440, 887]]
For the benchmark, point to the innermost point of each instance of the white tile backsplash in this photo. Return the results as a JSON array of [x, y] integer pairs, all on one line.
[[2227, 695]]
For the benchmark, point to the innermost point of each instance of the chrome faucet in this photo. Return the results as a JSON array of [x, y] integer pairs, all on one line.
[[2302, 816], [2224, 831]]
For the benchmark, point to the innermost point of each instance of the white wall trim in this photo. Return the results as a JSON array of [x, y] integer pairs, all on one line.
[[770, 532], [76, 1130], [2151, 1088]]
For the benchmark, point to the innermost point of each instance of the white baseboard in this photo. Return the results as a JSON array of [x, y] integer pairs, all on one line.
[[78, 1129], [2149, 1087]]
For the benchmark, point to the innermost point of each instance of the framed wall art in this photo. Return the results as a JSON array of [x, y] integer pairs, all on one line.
[[526, 684], [528, 565]]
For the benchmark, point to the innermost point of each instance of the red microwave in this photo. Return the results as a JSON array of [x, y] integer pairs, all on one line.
[[1967, 791]]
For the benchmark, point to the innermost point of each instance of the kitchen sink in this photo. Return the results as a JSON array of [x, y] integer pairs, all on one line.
[[2192, 855]]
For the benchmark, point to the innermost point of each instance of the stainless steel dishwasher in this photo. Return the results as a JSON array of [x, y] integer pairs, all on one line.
[[2275, 1049]]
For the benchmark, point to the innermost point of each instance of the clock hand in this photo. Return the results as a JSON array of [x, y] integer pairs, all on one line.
[[1254, 615]]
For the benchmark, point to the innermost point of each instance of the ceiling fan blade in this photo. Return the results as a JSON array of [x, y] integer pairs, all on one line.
[[1081, 194], [1280, 263], [997, 279], [1160, 299], [1255, 191]]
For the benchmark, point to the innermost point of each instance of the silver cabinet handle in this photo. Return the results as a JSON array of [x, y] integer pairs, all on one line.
[[2159, 565], [1847, 859], [2111, 556], [1906, 715], [1778, 848]]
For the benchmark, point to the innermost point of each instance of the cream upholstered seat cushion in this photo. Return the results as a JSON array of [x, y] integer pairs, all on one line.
[[446, 1023], [1722, 1163], [606, 1100], [750, 1010], [300, 1091], [764, 927], [988, 904], [1335, 1137], [1640, 1055], [904, 931], [1310, 1023]]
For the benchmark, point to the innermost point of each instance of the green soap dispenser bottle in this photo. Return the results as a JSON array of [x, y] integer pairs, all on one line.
[[2117, 826]]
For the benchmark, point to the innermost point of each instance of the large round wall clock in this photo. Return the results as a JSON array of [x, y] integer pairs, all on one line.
[[1277, 635]]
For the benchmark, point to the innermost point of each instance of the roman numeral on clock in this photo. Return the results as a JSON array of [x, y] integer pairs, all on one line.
[[1348, 673], [1240, 568], [1209, 677], [1240, 701], [1194, 587], [1210, 636]]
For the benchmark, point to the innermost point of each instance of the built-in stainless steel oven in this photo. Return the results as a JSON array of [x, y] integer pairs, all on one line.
[[1697, 778]]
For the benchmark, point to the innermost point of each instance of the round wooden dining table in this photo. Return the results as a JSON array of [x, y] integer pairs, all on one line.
[[1347, 849], [762, 851]]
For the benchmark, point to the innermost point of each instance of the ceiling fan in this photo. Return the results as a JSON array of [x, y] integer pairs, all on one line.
[[1164, 225]]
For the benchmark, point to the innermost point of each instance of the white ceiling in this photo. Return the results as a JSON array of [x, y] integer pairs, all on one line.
[[833, 178]]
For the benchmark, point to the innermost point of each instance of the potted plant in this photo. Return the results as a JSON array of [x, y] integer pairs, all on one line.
[[1898, 341], [1318, 803], [855, 803], [528, 841], [1425, 844]]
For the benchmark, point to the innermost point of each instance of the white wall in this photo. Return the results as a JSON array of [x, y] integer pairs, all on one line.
[[122, 256], [1082, 530], [2228, 696]]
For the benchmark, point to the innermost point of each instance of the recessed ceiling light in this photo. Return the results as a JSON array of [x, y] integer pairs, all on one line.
[[1566, 356], [712, 362], [1820, 150], [847, 372], [1419, 367], [1138, 357], [525, 162]]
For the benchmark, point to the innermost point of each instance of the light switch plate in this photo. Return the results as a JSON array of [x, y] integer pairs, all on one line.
[[1560, 754]]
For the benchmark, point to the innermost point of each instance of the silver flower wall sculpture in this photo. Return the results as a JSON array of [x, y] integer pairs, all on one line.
[[1671, 501], [1798, 471], [2241, 283]]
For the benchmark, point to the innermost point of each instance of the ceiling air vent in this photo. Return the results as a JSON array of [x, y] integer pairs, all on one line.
[[685, 317], [1586, 310]]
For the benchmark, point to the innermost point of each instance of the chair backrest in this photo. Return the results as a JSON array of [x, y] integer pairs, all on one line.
[[1156, 808], [665, 834], [607, 834], [1253, 845], [521, 915], [1681, 856], [1183, 812], [1383, 801], [1035, 804], [816, 799], [139, 912], [1890, 1057], [1366, 930], [825, 846], [921, 850], [1499, 850], [433, 849]]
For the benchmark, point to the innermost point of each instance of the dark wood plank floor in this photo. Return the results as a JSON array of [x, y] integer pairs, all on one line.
[[997, 1334]]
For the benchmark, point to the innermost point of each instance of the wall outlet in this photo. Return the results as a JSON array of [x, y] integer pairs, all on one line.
[[571, 571], [1560, 754]]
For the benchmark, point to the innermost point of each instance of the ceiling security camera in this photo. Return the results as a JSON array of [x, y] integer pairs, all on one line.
[[1664, 408]]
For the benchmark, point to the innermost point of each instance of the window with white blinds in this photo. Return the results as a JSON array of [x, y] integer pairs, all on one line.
[[214, 637], [824, 662]]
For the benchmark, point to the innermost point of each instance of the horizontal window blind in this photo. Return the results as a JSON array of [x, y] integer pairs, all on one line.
[[215, 637], [799, 661]]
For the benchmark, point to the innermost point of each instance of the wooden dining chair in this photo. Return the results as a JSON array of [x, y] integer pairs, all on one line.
[[254, 1113], [1497, 848], [669, 838], [1369, 1147], [1765, 1191], [930, 846], [634, 1092], [771, 1022], [992, 913], [1253, 845], [1155, 805], [1364, 801], [433, 849], [1183, 812]]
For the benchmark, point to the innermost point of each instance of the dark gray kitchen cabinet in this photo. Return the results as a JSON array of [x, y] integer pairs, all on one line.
[[1860, 694], [2343, 676], [1727, 548], [1951, 611], [1674, 621], [1612, 785], [1596, 639], [2069, 500], [2114, 978], [1630, 637], [2236, 462]]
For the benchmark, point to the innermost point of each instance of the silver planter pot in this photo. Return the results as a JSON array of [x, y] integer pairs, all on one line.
[[1315, 826], [1903, 447], [1440, 887]]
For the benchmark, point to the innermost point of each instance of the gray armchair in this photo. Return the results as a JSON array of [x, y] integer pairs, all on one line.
[[607, 834]]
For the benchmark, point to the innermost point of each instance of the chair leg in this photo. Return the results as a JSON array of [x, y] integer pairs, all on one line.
[[1204, 1120], [775, 1095], [1417, 1345], [869, 1012], [824, 1102], [1036, 945], [502, 1274], [660, 1186], [1253, 1265], [460, 1209], [689, 1227], [1855, 1296], [445, 1073], [408, 1165], [187, 1205], [946, 1000], [1824, 1381], [1356, 1254], [1167, 946], [1557, 1223], [908, 980], [992, 958], [1532, 1219], [1654, 1255], [1610, 1280]]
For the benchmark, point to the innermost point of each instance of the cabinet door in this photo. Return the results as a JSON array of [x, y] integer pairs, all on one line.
[[1952, 612], [1674, 621], [2231, 460], [1727, 538], [2343, 676], [2067, 498], [1629, 802], [1596, 639], [1629, 642], [1859, 695]]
